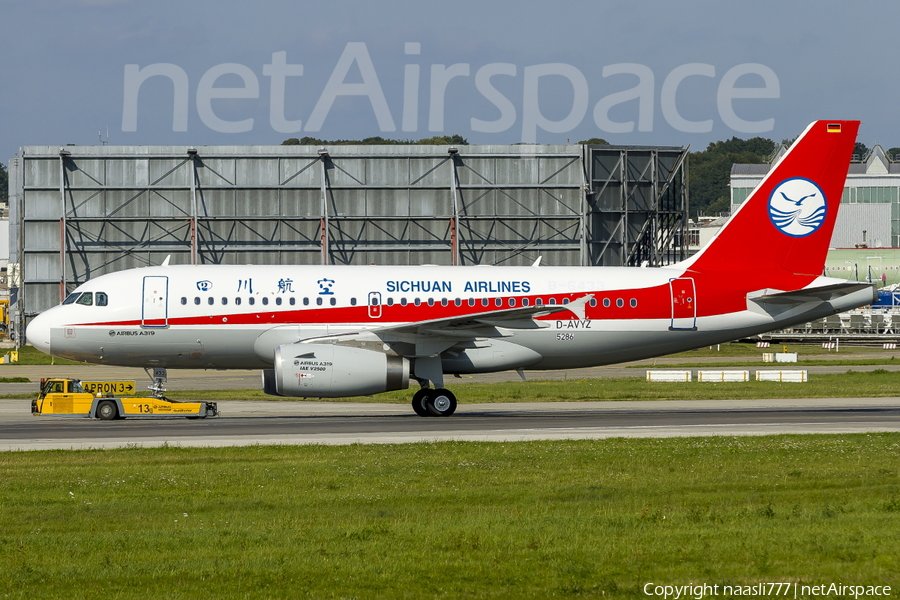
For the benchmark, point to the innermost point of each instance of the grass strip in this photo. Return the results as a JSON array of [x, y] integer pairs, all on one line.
[[450, 520], [879, 383], [855, 362], [28, 355]]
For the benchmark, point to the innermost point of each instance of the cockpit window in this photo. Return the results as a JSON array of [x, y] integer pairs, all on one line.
[[71, 298], [86, 299], [102, 299]]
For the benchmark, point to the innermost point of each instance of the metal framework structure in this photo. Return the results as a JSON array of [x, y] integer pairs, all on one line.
[[638, 205], [78, 212]]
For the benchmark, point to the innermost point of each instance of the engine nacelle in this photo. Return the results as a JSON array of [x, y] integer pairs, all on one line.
[[329, 371]]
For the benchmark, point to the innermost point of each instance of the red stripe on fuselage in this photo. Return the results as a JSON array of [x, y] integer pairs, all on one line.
[[650, 303]]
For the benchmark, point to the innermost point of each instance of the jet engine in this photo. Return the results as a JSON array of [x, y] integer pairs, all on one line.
[[330, 371]]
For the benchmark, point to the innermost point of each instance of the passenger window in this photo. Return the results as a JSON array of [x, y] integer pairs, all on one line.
[[417, 302], [183, 301], [251, 300], [278, 301], [620, 303], [539, 302], [210, 300], [333, 301], [485, 302], [86, 299], [196, 299], [390, 302], [352, 301], [444, 302], [552, 301], [512, 301], [102, 299], [265, 301], [224, 300], [293, 301], [606, 303], [319, 301], [525, 302], [457, 302], [71, 298], [237, 300], [633, 303], [431, 302], [593, 302], [498, 302], [471, 301], [565, 300]]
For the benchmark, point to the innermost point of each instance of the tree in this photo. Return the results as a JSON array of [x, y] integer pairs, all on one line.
[[894, 154], [860, 150], [710, 171], [445, 140], [595, 142], [4, 184]]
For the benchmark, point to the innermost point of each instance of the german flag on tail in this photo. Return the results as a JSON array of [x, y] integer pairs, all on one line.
[[833, 128]]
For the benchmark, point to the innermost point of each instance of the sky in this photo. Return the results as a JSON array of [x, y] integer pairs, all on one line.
[[128, 72]]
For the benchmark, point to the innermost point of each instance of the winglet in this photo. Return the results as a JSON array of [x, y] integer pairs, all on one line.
[[537, 263], [165, 263]]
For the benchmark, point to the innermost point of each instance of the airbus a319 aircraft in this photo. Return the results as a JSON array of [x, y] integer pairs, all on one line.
[[333, 331]]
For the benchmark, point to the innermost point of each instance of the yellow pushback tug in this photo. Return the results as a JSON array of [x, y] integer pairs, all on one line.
[[67, 397]]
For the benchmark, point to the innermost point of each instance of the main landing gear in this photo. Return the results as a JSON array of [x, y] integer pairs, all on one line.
[[428, 402]]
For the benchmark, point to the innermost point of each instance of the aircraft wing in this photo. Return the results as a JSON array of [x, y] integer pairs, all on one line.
[[429, 338], [485, 324]]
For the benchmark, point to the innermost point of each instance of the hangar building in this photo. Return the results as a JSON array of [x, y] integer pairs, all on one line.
[[77, 212]]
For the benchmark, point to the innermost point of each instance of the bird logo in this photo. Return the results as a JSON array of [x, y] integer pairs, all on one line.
[[797, 207]]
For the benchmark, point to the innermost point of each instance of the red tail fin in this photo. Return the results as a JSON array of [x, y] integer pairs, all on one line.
[[784, 227]]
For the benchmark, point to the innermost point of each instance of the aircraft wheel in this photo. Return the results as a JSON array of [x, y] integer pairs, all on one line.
[[107, 411], [419, 400], [441, 403]]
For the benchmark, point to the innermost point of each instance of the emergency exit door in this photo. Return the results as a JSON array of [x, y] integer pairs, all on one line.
[[374, 305]]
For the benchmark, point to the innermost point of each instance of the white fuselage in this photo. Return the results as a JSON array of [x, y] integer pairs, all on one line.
[[217, 316]]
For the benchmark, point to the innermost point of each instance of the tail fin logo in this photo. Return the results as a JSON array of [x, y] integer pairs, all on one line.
[[797, 207]]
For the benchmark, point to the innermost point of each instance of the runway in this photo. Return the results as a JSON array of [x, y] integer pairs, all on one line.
[[258, 422], [303, 422]]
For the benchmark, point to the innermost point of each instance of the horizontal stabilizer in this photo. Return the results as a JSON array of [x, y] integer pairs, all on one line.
[[825, 293]]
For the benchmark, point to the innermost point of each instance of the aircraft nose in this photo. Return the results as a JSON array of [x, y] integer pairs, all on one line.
[[38, 332]]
